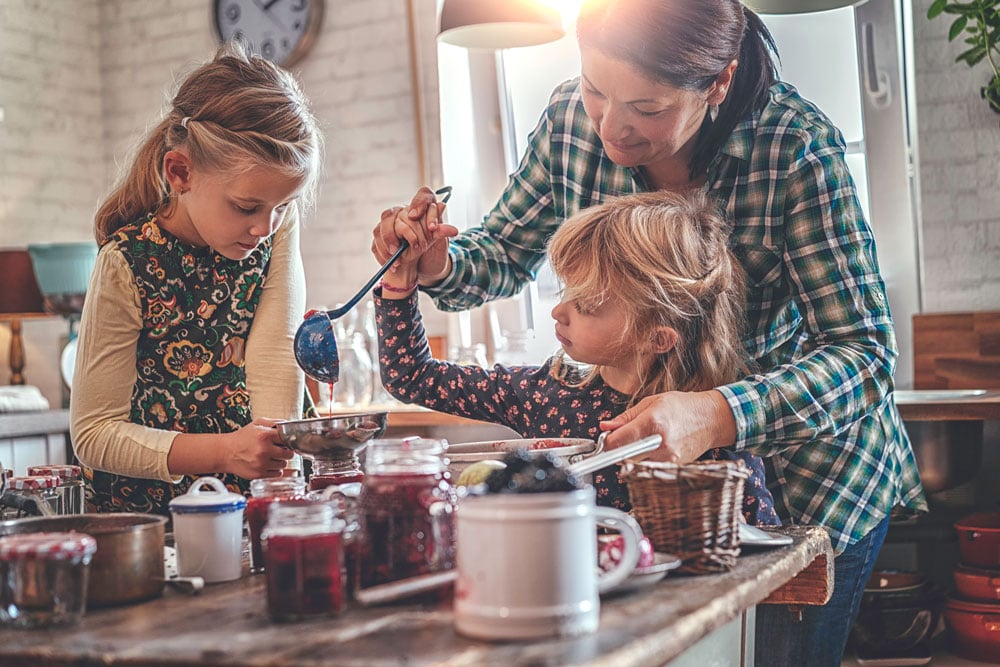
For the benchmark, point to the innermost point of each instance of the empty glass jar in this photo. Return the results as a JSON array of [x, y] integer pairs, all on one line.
[[43, 578], [70, 487]]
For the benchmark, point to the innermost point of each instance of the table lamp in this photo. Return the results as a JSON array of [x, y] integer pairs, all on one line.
[[20, 298]]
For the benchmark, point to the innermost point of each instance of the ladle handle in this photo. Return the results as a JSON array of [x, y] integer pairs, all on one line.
[[334, 314]]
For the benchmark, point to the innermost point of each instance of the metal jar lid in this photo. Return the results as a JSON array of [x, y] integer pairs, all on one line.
[[216, 500], [60, 471], [33, 482], [47, 546]]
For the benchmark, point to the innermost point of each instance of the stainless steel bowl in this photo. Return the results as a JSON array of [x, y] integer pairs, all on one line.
[[328, 437]]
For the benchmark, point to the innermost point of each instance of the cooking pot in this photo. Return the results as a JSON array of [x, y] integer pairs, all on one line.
[[897, 613], [128, 566], [974, 629], [979, 539]]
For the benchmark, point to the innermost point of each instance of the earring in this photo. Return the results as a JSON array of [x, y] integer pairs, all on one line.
[[713, 112]]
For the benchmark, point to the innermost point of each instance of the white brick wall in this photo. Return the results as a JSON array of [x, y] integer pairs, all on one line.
[[959, 162], [106, 69]]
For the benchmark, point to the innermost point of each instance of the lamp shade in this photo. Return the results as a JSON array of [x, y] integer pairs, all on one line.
[[799, 6], [20, 292], [498, 24]]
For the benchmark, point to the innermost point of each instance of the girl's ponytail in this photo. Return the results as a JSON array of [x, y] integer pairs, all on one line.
[[140, 192]]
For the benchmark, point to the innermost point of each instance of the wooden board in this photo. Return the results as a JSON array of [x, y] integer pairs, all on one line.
[[956, 350]]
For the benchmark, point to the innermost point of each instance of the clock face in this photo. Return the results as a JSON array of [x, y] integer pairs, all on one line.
[[280, 30]]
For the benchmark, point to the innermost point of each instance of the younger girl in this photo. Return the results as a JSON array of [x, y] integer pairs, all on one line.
[[185, 357], [652, 302]]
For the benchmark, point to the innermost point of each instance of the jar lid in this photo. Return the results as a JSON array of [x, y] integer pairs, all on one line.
[[47, 546], [34, 482], [218, 499], [61, 471]]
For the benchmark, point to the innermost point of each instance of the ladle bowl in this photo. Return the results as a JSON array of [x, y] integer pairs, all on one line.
[[329, 437], [315, 343]]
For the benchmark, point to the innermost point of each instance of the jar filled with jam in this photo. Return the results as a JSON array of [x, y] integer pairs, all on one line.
[[263, 493], [407, 511], [303, 560], [342, 467]]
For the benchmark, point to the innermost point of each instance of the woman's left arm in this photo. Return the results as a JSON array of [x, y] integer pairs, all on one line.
[[274, 381]]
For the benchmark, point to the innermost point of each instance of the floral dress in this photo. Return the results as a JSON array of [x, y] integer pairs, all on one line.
[[527, 399], [197, 308]]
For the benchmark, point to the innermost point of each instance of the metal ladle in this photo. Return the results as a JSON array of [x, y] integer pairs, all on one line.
[[315, 342]]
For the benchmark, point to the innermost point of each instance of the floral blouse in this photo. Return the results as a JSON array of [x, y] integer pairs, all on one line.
[[197, 308], [527, 399]]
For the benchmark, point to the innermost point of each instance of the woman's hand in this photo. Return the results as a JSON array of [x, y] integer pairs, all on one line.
[[255, 451], [421, 224], [690, 424]]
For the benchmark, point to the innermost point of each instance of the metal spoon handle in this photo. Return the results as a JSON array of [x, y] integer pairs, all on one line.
[[604, 459], [334, 314]]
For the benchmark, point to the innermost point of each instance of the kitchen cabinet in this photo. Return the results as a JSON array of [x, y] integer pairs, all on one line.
[[678, 621], [34, 438]]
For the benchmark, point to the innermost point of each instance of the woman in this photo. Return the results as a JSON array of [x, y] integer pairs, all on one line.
[[680, 95]]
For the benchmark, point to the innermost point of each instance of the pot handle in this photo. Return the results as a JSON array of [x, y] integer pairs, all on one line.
[[990, 622]]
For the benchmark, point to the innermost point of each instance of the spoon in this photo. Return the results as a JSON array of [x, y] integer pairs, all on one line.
[[315, 342], [604, 459]]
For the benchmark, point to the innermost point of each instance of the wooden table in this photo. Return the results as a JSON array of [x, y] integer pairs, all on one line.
[[227, 625]]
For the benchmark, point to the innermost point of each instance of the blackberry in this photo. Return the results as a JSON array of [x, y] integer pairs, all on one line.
[[531, 472]]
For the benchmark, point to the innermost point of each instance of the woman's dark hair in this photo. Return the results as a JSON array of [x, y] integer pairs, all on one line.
[[687, 44]]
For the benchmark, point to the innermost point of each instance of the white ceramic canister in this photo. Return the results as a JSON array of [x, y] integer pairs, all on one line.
[[527, 563], [208, 531]]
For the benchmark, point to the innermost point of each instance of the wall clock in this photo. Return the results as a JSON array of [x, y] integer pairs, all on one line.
[[282, 31]]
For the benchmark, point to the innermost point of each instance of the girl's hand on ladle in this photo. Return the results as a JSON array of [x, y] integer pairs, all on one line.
[[421, 224]]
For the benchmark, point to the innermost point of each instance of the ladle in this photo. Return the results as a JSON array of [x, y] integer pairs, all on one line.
[[315, 342]]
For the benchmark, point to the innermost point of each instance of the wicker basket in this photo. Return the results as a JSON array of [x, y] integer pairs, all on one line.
[[690, 510]]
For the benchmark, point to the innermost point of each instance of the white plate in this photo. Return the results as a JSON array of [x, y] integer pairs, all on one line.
[[67, 362], [647, 576], [753, 537], [495, 449]]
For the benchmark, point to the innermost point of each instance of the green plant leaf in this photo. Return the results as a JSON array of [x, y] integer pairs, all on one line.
[[957, 27], [936, 8], [972, 56]]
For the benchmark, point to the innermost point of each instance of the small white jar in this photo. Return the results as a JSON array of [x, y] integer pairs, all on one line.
[[208, 531]]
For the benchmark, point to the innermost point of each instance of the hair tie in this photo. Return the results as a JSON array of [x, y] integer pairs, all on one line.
[[184, 121]]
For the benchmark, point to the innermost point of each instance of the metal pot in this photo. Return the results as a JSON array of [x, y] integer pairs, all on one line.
[[128, 566], [948, 452]]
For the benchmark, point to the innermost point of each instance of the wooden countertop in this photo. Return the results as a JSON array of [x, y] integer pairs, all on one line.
[[227, 625], [930, 405]]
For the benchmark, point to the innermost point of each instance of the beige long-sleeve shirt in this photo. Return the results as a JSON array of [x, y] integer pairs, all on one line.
[[105, 372]]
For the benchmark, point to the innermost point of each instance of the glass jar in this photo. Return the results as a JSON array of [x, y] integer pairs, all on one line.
[[263, 493], [35, 495], [43, 578], [304, 561], [344, 468], [407, 511], [344, 500], [70, 486]]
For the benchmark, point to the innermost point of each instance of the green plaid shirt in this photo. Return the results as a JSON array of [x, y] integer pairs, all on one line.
[[822, 414]]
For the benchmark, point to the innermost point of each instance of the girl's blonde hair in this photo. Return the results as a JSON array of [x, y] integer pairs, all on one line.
[[234, 113], [664, 257]]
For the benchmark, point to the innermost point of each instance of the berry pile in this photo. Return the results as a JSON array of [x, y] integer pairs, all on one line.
[[531, 472]]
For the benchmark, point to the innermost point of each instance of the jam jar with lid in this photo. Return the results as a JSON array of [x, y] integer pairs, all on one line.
[[303, 560], [43, 578], [32, 495], [407, 511], [70, 486], [263, 493]]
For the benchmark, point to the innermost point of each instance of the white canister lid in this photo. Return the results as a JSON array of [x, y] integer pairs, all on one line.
[[218, 499]]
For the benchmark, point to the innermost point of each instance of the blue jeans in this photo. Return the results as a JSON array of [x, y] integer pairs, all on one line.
[[818, 639]]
